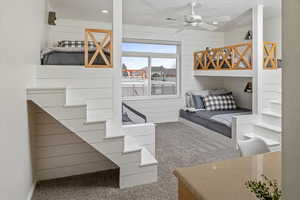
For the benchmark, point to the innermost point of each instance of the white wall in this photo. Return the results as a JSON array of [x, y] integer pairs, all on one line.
[[158, 110], [236, 35], [21, 36], [291, 96], [58, 152], [237, 86], [272, 33]]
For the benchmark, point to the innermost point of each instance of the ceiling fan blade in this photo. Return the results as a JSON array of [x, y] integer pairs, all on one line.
[[149, 4], [208, 26], [180, 30], [219, 19]]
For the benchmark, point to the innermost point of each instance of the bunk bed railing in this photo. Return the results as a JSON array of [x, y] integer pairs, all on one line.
[[270, 55], [234, 57], [103, 48]]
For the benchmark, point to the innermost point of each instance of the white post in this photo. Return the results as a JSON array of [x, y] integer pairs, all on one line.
[[258, 57], [117, 54]]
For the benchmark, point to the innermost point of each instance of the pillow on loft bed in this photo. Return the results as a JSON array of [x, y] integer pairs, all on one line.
[[74, 44], [220, 102], [194, 98]]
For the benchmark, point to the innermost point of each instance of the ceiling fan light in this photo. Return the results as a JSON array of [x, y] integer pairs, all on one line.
[[104, 11]]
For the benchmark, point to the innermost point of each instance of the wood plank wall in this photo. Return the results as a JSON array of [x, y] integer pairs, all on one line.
[[57, 152]]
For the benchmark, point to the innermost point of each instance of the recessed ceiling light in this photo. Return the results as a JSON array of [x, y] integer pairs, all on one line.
[[105, 11], [215, 22]]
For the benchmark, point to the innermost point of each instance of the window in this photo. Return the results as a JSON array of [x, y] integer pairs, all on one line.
[[150, 69]]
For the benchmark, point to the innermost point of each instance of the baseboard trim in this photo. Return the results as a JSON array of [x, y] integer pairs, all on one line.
[[30, 194]]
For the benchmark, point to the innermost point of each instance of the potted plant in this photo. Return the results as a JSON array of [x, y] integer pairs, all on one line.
[[265, 189]]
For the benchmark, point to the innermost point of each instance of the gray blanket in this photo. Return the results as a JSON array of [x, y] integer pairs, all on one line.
[[226, 119]]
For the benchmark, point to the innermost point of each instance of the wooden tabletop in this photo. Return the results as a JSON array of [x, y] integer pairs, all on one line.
[[226, 180]]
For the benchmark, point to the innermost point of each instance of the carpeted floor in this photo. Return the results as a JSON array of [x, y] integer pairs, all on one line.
[[176, 146]]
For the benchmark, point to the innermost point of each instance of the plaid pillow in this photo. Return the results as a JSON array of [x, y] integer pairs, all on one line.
[[220, 102], [74, 44]]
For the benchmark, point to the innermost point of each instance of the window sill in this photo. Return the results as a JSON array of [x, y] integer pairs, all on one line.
[[144, 98]]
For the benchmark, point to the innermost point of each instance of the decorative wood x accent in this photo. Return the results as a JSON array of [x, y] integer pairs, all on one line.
[[270, 61], [101, 47], [242, 56], [233, 57]]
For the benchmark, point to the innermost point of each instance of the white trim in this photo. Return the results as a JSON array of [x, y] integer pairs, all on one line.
[[151, 55], [117, 69], [149, 41], [155, 97], [258, 57], [231, 142], [31, 191], [224, 73]]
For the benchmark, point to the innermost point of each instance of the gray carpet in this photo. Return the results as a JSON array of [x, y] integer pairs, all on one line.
[[176, 146]]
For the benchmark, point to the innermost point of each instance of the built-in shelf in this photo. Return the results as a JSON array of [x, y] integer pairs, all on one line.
[[228, 73]]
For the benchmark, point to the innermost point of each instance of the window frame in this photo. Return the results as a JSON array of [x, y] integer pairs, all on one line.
[[150, 56]]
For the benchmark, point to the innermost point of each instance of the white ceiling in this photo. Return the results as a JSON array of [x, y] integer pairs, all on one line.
[[154, 12]]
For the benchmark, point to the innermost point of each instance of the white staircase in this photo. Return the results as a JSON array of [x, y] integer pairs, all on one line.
[[81, 100], [266, 125]]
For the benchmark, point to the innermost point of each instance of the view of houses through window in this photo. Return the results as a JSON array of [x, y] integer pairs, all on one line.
[[149, 69]]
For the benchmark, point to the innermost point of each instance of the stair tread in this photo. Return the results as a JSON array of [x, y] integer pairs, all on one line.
[[114, 136], [147, 158], [275, 101], [271, 113], [131, 145], [46, 88], [268, 126], [268, 141], [132, 148], [94, 122], [74, 105]]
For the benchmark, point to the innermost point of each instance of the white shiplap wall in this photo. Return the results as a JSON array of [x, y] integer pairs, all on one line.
[[272, 33], [58, 152], [237, 86], [157, 110]]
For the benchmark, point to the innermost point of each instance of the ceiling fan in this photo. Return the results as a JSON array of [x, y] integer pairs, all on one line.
[[195, 20], [190, 21]]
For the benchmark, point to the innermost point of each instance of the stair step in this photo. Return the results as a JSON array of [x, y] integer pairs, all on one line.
[[268, 141], [93, 122], [275, 102], [74, 105], [131, 145], [269, 127], [147, 158], [132, 148], [271, 113], [114, 136], [46, 88]]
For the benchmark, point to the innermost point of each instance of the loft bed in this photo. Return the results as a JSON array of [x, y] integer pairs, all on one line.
[[234, 60], [91, 53], [219, 123]]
